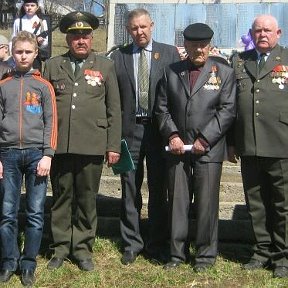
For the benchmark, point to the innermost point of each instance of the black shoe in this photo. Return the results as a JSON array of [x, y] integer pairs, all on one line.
[[27, 277], [201, 267], [5, 275], [55, 263], [174, 263], [159, 258], [280, 272], [128, 257], [254, 264], [86, 265]]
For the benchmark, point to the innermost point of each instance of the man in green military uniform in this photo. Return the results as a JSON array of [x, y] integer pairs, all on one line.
[[89, 123], [261, 137]]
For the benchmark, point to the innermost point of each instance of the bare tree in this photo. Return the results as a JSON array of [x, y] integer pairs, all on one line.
[[54, 6]]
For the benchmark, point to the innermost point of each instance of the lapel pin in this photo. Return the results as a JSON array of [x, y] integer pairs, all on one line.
[[156, 56]]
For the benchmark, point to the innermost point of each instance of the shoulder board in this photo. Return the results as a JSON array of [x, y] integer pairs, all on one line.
[[103, 56]]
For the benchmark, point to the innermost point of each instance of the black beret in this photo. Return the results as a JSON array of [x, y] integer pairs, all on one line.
[[78, 23], [30, 1], [198, 32]]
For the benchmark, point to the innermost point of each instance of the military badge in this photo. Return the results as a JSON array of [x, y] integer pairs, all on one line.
[[240, 63], [214, 81], [279, 76], [78, 15], [93, 78], [60, 86], [79, 24]]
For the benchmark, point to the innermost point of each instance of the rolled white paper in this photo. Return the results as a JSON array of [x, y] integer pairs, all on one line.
[[186, 148]]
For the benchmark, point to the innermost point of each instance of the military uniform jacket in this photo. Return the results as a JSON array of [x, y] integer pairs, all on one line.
[[208, 110], [261, 127], [89, 115]]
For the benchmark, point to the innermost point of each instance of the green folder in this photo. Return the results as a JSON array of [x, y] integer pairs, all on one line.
[[125, 162]]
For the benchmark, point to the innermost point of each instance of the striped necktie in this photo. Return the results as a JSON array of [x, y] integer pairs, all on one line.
[[143, 80]]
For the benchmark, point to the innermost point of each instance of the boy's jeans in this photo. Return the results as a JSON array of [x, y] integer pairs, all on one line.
[[16, 163]]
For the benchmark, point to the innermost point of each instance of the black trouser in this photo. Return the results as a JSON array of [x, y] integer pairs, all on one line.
[[146, 144], [189, 179]]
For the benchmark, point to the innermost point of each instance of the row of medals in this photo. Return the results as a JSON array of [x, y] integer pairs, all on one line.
[[280, 78], [213, 82]]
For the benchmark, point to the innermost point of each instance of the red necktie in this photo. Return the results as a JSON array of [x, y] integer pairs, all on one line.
[[194, 74]]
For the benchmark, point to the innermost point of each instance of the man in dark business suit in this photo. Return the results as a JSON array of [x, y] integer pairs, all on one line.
[[196, 105], [4, 70], [89, 129], [141, 133], [261, 137]]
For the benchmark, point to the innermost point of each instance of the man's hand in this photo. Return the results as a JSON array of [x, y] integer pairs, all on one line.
[[43, 167], [232, 155], [112, 158], [177, 146], [40, 40], [199, 146]]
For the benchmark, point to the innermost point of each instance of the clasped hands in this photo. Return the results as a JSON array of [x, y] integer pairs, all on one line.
[[177, 146]]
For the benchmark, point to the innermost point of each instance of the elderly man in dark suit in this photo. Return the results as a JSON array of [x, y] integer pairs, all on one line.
[[139, 66], [261, 137], [89, 125], [196, 106]]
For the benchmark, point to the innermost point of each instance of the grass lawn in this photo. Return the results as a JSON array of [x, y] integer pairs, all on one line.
[[110, 272]]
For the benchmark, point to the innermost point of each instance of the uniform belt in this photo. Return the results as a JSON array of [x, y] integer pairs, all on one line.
[[143, 120]]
